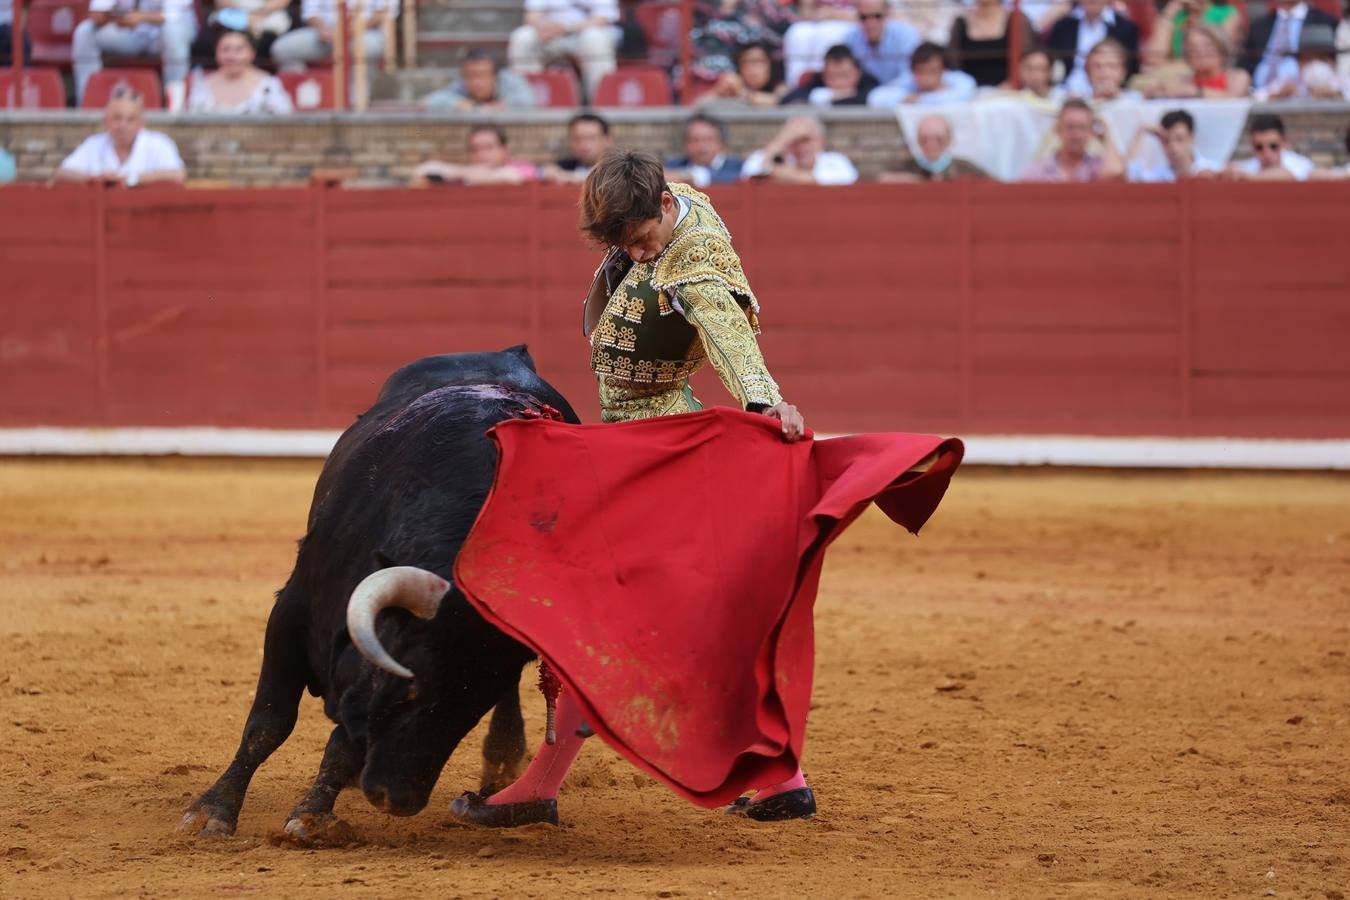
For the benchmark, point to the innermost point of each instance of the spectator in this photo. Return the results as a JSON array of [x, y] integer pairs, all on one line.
[[1107, 67], [928, 81], [933, 160], [1176, 133], [797, 155], [757, 81], [314, 42], [1208, 71], [1033, 73], [820, 25], [124, 152], [1086, 26], [725, 29], [981, 40], [842, 83], [881, 44], [1075, 128], [584, 31], [1170, 27], [482, 85], [1272, 42], [587, 141], [237, 85], [7, 33], [489, 163], [136, 28], [1315, 75], [705, 160], [1271, 160], [264, 20]]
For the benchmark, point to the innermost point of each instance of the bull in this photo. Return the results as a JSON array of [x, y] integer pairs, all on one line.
[[402, 487]]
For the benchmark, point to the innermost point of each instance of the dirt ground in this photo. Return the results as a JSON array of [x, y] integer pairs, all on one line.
[[1074, 684]]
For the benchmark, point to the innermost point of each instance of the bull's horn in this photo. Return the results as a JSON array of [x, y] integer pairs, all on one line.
[[409, 587]]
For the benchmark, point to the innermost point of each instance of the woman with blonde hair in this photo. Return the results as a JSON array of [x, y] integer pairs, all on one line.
[[1208, 71]]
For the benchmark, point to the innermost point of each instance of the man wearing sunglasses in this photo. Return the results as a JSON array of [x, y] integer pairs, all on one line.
[[1271, 159], [881, 45], [125, 152]]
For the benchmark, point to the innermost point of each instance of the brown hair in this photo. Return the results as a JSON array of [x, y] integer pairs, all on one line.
[[622, 191]]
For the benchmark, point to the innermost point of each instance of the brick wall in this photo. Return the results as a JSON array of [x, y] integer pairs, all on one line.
[[382, 147]]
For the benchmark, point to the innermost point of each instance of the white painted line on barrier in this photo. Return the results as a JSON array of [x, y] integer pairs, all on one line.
[[1006, 450]]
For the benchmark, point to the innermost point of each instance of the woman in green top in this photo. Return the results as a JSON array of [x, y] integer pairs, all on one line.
[[1168, 40]]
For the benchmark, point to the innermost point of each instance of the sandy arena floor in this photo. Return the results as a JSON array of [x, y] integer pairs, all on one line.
[[1073, 685]]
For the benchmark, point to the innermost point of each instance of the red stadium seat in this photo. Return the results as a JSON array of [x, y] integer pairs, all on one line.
[[309, 90], [634, 86], [1142, 14], [555, 88], [36, 89], [663, 27], [101, 85], [51, 23]]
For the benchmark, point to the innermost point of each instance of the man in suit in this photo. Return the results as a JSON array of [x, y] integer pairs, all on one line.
[[1273, 41], [1088, 24], [706, 160]]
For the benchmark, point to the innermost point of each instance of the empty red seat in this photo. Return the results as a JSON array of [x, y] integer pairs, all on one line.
[[51, 23], [310, 90], [36, 89], [555, 88], [663, 26], [103, 83], [634, 86]]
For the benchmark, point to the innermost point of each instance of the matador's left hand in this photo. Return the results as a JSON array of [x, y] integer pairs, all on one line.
[[794, 426]]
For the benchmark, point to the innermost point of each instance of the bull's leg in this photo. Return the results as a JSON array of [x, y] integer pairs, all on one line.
[[275, 706], [504, 746], [312, 819]]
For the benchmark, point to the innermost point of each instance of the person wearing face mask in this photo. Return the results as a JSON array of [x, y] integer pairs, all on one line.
[[1176, 133], [1088, 24], [237, 87], [932, 159]]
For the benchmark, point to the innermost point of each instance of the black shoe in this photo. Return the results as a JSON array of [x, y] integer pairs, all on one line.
[[473, 809], [796, 804]]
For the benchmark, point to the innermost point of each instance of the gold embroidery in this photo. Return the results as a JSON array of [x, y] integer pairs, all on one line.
[[627, 339]]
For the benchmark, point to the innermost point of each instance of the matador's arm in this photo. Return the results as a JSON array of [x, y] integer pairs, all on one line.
[[729, 343]]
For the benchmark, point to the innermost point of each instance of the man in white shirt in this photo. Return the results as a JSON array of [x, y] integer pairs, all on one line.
[[583, 30], [124, 152], [797, 155], [1271, 160], [136, 28], [1176, 133], [927, 82], [314, 42]]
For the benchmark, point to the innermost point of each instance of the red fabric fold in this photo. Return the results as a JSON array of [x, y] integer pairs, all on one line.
[[666, 569]]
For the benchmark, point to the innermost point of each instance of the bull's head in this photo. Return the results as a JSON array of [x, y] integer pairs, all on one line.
[[412, 718]]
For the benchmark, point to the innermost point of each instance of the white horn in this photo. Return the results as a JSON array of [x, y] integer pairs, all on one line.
[[408, 587]]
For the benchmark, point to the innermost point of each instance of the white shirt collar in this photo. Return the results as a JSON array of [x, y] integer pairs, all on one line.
[[1108, 15], [1299, 12]]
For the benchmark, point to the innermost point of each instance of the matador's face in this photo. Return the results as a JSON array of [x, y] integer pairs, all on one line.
[[646, 241]]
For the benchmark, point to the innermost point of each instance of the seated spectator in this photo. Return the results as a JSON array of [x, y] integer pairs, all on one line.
[[1033, 74], [797, 155], [757, 81], [881, 44], [1075, 127], [237, 86], [724, 29], [980, 41], [1207, 71], [705, 160], [1107, 67], [820, 25], [842, 83], [125, 152], [7, 33], [587, 141], [264, 20], [489, 163], [933, 160], [482, 85], [1271, 160], [1086, 26], [1272, 42], [928, 81], [136, 28], [583, 31], [1315, 76], [1167, 43], [1176, 133], [313, 43]]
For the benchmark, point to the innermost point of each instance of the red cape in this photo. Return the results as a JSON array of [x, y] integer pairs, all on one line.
[[666, 569]]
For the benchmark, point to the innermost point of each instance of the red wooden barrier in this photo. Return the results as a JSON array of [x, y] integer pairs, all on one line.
[[1201, 309]]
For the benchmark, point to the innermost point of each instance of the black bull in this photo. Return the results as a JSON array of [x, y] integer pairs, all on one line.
[[402, 486]]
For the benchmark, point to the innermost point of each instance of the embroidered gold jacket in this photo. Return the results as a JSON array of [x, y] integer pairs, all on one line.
[[640, 347]]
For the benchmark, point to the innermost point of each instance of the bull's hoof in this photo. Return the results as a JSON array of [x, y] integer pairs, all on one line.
[[497, 775], [317, 831], [798, 804], [473, 809], [200, 822]]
